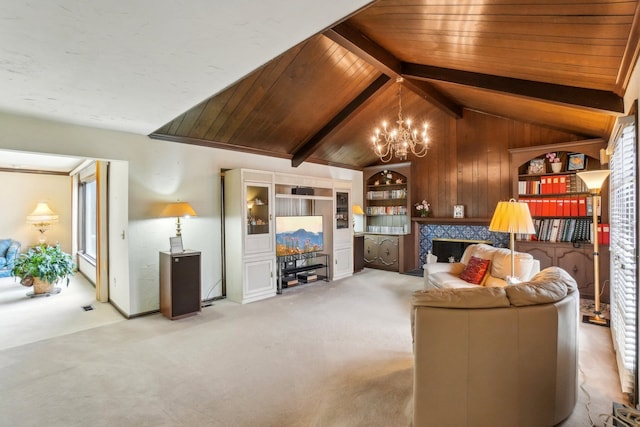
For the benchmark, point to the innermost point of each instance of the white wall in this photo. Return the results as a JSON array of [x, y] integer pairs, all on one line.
[[159, 172], [20, 192]]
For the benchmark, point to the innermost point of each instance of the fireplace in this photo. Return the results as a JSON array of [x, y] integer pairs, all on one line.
[[447, 248]]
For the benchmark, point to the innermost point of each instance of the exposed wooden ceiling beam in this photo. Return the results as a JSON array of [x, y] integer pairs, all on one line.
[[588, 98], [339, 120], [356, 42]]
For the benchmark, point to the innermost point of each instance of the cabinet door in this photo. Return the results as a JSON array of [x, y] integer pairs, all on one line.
[[258, 214], [342, 231], [543, 252], [388, 250], [259, 279], [370, 249], [579, 265], [342, 264], [185, 284]]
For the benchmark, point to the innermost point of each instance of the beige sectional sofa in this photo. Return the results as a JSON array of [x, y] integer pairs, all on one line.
[[446, 275], [496, 356]]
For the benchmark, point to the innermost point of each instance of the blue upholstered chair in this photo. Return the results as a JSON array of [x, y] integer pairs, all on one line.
[[9, 251]]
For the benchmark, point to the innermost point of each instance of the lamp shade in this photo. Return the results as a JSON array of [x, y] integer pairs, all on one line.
[[512, 217], [357, 210], [178, 209], [594, 179], [42, 214]]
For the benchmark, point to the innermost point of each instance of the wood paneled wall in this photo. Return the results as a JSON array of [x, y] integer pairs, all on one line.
[[468, 163]]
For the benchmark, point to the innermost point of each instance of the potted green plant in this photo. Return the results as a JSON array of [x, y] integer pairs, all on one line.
[[42, 267]]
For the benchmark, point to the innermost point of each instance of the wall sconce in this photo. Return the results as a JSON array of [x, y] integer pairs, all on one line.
[[178, 209], [42, 218]]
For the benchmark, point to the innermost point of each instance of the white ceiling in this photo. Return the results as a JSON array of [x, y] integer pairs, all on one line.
[[135, 65], [41, 162]]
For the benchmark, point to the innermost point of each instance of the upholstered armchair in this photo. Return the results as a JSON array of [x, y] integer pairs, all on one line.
[[9, 251]]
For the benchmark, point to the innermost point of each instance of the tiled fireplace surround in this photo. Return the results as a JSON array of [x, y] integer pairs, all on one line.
[[463, 232]]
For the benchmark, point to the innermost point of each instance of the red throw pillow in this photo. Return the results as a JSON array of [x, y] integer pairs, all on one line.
[[474, 271]]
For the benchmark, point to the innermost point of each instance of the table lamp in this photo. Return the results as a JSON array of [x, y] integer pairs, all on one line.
[[512, 217], [178, 209], [42, 218]]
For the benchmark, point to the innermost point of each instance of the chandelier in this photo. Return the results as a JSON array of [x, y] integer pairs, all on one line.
[[400, 140]]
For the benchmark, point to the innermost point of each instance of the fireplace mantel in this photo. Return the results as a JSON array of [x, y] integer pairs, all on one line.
[[451, 221]]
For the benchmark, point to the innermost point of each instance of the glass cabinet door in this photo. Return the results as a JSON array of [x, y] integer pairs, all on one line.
[[342, 210], [258, 214]]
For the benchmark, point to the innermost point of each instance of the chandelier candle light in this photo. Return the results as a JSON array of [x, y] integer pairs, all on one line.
[[398, 141]]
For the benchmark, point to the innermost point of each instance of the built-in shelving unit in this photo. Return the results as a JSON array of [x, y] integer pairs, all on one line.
[[561, 208], [253, 201], [388, 242]]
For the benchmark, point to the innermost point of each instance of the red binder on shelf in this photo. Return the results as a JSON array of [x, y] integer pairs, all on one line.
[[560, 207], [582, 206], [555, 184], [562, 185], [574, 206], [604, 236], [545, 207], [567, 207], [544, 187], [553, 207]]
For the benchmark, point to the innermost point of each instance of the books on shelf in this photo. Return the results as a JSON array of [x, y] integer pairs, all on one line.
[[307, 277], [552, 184], [387, 194], [289, 281], [564, 230], [386, 210]]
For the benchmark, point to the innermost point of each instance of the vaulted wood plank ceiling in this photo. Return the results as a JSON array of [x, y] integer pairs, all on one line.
[[559, 64]]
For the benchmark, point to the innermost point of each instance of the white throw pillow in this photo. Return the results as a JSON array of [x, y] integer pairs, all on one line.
[[478, 250], [501, 265]]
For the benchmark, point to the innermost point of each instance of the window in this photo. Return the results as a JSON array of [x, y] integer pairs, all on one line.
[[87, 218], [624, 279]]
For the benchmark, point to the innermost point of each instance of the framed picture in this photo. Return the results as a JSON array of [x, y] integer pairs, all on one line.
[[536, 166], [458, 211], [176, 245], [576, 162]]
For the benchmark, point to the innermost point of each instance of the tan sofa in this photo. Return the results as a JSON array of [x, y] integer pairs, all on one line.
[[496, 356], [442, 275]]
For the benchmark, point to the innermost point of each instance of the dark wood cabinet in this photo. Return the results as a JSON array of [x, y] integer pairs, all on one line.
[[180, 284], [358, 252], [576, 259]]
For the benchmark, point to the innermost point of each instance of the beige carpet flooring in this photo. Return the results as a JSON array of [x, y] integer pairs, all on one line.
[[322, 354]]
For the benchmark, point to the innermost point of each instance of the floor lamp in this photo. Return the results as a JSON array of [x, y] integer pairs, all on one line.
[[594, 180], [512, 217]]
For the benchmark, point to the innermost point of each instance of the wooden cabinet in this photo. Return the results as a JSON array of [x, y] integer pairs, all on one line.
[[180, 284], [388, 241], [385, 252], [358, 252], [576, 259]]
